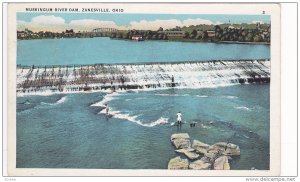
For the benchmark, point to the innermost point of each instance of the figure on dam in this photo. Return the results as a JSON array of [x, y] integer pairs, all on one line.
[[173, 84]]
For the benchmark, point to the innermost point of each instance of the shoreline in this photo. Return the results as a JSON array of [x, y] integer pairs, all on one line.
[[141, 63], [168, 40]]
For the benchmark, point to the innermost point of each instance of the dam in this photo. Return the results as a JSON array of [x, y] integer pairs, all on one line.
[[97, 77]]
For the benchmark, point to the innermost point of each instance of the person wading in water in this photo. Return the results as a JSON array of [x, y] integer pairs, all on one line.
[[179, 118], [106, 109]]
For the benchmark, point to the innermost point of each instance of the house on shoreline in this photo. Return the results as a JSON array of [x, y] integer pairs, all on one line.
[[137, 37], [173, 33]]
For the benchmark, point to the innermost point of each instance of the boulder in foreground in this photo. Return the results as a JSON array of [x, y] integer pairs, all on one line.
[[181, 140], [222, 163], [200, 165], [200, 147], [178, 163], [226, 148]]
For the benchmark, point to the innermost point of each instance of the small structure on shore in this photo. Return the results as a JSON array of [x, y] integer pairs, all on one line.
[[137, 37]]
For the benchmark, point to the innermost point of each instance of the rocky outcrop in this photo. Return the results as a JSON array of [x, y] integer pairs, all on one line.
[[189, 153], [178, 163], [181, 140], [200, 165], [226, 149], [200, 147], [221, 163], [215, 157]]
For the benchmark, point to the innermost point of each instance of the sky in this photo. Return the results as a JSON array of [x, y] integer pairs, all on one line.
[[58, 22]]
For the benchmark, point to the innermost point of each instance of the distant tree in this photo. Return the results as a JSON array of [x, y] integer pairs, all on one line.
[[155, 37], [217, 28], [126, 35], [120, 35], [241, 38], [193, 34], [149, 37], [113, 35], [199, 37], [249, 37], [257, 38], [160, 36], [160, 29], [186, 35], [205, 35]]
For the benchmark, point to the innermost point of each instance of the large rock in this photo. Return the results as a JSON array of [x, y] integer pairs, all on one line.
[[189, 153], [226, 148], [221, 163], [180, 135], [200, 147], [211, 155], [181, 140], [200, 165], [178, 163]]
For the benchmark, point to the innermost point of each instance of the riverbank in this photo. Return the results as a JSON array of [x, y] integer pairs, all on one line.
[[170, 40], [174, 39], [98, 77]]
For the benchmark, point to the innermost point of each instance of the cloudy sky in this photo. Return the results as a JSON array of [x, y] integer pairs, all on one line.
[[86, 22]]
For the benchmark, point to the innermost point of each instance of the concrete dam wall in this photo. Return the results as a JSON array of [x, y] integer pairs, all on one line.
[[198, 74]]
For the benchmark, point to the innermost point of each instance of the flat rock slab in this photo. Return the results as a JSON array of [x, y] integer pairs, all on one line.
[[181, 143], [200, 147], [180, 136], [200, 165], [181, 140], [178, 163], [226, 148], [188, 153]]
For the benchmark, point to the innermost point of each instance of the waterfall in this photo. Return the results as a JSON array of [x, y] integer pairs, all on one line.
[[198, 74]]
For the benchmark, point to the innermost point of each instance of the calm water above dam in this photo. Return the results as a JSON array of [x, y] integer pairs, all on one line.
[[106, 50]]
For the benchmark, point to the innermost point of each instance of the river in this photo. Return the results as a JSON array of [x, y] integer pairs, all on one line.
[[71, 131], [106, 50]]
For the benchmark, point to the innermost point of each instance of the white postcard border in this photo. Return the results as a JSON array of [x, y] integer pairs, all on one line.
[[172, 8]]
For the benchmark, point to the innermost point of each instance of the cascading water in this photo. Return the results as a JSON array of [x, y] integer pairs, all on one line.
[[141, 76]]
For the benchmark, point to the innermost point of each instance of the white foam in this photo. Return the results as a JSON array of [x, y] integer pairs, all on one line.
[[133, 118], [231, 97], [243, 108], [60, 101], [167, 95], [49, 93], [160, 121], [105, 100], [202, 96], [187, 75], [128, 117]]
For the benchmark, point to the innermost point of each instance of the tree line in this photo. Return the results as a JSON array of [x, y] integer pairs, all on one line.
[[220, 34]]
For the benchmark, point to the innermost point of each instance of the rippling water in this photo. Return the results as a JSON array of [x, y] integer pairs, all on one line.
[[70, 131]]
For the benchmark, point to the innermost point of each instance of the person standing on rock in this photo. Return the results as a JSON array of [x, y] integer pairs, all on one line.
[[179, 118]]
